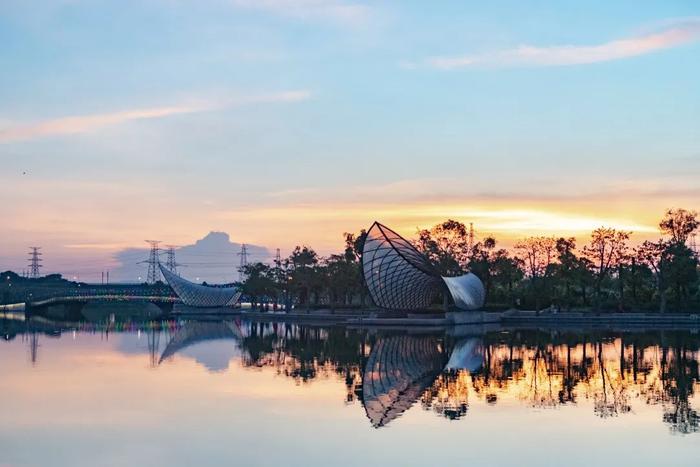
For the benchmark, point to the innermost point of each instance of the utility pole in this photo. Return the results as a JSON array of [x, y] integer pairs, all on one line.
[[153, 272], [34, 262], [170, 262], [244, 261]]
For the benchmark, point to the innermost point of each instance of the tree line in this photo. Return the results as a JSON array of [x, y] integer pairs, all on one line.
[[605, 273]]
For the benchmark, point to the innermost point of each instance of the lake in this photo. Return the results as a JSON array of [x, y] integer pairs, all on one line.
[[239, 392]]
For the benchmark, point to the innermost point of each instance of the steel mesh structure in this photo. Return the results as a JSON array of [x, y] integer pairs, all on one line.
[[399, 277], [398, 370], [200, 296]]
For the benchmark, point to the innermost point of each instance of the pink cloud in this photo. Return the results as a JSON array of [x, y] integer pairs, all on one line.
[[87, 123], [678, 34]]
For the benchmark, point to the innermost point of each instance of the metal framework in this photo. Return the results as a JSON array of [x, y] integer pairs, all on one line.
[[152, 262], [399, 277], [35, 262], [396, 274], [200, 296], [398, 371]]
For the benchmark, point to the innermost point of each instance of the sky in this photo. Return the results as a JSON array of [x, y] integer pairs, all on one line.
[[286, 122]]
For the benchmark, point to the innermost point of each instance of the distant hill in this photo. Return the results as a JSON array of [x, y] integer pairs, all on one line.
[[214, 259]]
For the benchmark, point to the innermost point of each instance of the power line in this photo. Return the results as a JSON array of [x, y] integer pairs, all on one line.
[[34, 262]]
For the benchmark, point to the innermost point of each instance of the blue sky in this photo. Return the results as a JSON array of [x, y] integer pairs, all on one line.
[[290, 121]]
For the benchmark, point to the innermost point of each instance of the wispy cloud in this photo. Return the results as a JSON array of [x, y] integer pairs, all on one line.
[[87, 123], [674, 34], [335, 10]]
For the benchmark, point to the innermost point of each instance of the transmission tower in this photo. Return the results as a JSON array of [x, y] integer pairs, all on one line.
[[244, 260], [153, 272], [278, 259], [693, 243], [471, 236], [34, 262], [170, 262]]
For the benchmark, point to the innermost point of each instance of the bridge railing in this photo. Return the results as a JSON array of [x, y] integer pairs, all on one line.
[[135, 293]]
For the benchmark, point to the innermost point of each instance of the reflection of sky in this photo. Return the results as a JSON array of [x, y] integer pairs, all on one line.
[[87, 402], [213, 355]]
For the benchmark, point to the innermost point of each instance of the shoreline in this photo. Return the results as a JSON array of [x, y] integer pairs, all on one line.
[[520, 319]]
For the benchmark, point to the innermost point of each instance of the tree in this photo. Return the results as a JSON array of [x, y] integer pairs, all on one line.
[[537, 255], [607, 249], [259, 282], [507, 271], [653, 255], [682, 271], [568, 265], [446, 245], [341, 274], [354, 244], [303, 273], [679, 224], [481, 262], [671, 261]]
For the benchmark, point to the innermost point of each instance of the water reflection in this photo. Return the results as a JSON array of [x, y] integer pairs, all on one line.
[[399, 369], [388, 374]]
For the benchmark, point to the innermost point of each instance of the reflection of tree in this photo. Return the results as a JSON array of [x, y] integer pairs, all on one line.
[[449, 394], [611, 399], [682, 374], [304, 353], [551, 370], [540, 388], [608, 372]]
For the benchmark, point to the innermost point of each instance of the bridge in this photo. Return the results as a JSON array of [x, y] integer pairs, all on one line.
[[75, 298], [62, 300]]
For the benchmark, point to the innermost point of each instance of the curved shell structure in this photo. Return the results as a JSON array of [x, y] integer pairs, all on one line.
[[399, 277], [467, 291], [200, 296]]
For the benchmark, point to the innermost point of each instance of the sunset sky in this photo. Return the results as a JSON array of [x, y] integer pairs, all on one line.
[[287, 122]]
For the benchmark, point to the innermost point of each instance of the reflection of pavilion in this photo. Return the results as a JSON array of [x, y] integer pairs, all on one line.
[[194, 332], [397, 372]]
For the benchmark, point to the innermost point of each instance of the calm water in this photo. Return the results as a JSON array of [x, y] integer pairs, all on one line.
[[242, 393]]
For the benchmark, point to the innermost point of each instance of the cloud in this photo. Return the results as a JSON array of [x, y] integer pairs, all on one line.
[[673, 35], [336, 10], [87, 123]]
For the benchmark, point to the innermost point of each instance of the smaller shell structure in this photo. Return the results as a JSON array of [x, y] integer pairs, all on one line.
[[467, 291], [399, 277], [200, 296]]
